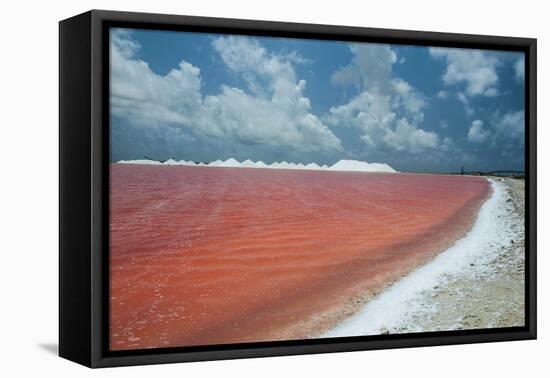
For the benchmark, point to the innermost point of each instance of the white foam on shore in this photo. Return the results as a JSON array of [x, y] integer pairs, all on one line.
[[342, 165], [394, 306]]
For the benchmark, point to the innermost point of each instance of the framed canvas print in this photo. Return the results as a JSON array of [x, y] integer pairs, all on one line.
[[233, 188]]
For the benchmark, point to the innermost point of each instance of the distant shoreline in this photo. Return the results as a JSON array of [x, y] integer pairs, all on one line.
[[498, 173]]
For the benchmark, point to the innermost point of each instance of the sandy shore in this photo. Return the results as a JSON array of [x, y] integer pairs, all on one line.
[[492, 293], [478, 283]]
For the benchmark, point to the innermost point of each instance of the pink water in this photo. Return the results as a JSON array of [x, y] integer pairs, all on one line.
[[203, 255]]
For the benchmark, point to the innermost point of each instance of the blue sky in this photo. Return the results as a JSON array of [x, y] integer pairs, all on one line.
[[205, 97]]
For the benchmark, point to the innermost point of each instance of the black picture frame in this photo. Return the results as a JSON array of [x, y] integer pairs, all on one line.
[[83, 181]]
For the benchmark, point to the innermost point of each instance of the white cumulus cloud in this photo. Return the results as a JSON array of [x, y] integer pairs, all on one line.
[[442, 95], [477, 132], [476, 70], [274, 110], [511, 125], [388, 110], [147, 99]]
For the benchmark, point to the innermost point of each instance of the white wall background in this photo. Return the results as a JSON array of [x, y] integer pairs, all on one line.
[[28, 190]]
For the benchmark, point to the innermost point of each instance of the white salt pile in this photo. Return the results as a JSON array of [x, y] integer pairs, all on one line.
[[313, 166], [360, 166], [261, 164], [230, 163], [217, 163], [342, 165], [248, 164], [140, 161]]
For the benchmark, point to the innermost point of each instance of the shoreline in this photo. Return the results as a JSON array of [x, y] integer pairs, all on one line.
[[477, 282], [365, 290]]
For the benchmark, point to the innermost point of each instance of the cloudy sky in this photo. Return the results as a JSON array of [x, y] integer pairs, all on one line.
[[205, 97]]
